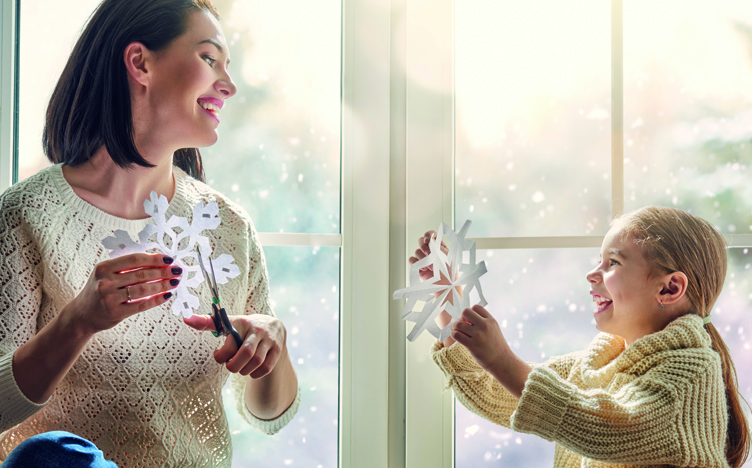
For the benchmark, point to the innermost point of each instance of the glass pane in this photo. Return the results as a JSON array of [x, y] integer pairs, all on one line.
[[305, 292], [732, 318], [538, 322], [688, 108], [49, 29], [533, 117], [278, 152]]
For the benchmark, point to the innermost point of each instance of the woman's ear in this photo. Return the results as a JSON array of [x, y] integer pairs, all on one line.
[[674, 286], [135, 57]]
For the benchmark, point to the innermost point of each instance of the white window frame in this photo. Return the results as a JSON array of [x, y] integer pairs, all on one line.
[[397, 181], [429, 47]]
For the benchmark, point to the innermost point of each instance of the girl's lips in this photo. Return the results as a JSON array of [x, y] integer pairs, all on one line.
[[602, 307]]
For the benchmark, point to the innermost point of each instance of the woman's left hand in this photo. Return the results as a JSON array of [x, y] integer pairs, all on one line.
[[264, 339]]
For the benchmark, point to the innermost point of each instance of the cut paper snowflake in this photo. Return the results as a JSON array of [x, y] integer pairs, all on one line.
[[450, 287], [162, 237]]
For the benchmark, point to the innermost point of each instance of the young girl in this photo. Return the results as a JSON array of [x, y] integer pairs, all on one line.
[[91, 357], [656, 387]]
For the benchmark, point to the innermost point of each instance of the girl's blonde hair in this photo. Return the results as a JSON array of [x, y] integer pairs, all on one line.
[[674, 240]]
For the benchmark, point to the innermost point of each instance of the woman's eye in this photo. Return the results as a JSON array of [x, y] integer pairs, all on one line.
[[209, 60]]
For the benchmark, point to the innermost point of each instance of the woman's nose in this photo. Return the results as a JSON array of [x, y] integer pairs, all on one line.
[[227, 87]]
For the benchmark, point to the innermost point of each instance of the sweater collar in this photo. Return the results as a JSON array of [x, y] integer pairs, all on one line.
[[608, 355]]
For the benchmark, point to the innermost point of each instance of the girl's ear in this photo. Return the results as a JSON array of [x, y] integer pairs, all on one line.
[[674, 286], [135, 57]]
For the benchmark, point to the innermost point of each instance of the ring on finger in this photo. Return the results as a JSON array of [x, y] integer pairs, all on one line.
[[128, 292]]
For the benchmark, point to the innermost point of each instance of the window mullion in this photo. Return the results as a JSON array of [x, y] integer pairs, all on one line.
[[617, 108], [8, 37]]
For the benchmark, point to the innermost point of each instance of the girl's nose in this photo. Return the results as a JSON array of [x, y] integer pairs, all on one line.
[[594, 276]]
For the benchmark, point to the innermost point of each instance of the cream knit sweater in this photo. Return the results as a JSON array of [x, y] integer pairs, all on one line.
[[659, 402], [148, 391]]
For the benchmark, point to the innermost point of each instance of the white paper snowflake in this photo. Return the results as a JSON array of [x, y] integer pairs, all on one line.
[[161, 237], [453, 278]]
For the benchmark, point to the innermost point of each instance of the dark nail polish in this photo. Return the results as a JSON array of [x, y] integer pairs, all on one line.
[[174, 282], [167, 295], [176, 270], [167, 260]]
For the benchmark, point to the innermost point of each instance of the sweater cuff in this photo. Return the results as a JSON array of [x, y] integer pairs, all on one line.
[[271, 426], [15, 407], [456, 361], [543, 404]]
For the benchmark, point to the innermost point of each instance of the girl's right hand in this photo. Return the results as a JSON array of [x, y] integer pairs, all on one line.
[[122, 287], [423, 251]]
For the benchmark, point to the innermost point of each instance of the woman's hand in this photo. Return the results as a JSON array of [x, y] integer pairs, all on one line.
[[122, 287], [263, 337], [479, 332]]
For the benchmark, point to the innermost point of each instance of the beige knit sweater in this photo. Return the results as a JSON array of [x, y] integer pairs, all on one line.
[[661, 401], [148, 391]]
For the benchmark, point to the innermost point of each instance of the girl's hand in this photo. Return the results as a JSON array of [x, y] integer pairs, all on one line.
[[480, 333], [122, 287], [264, 339], [422, 251]]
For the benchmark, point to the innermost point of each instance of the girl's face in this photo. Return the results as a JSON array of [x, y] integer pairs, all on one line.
[[625, 294], [190, 85]]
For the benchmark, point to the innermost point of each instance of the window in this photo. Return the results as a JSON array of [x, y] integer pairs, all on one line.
[[368, 122]]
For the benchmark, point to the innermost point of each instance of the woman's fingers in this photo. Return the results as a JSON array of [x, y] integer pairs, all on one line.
[[132, 308], [136, 261], [140, 291], [146, 275], [272, 357], [200, 322]]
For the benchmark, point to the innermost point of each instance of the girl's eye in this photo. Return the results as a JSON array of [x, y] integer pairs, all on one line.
[[613, 262], [209, 60]]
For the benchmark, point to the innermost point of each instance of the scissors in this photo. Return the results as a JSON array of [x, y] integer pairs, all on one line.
[[219, 317]]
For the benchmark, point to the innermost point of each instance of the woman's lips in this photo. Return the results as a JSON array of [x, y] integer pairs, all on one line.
[[210, 113]]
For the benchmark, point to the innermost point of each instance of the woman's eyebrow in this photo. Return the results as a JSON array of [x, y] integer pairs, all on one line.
[[216, 44]]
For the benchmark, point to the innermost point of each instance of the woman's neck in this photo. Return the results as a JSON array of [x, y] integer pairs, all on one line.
[[117, 191]]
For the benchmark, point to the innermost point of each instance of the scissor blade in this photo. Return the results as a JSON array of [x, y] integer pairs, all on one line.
[[212, 286], [214, 279]]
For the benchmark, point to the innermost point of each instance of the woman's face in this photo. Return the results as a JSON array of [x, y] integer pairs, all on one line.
[[189, 86]]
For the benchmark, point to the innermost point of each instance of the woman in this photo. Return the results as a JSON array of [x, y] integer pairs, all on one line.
[[88, 344]]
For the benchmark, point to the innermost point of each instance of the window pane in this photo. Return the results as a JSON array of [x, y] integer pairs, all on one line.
[[305, 293], [541, 299], [688, 108], [732, 318], [278, 151], [49, 29], [533, 125]]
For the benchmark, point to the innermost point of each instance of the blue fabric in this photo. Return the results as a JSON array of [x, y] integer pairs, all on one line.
[[57, 449]]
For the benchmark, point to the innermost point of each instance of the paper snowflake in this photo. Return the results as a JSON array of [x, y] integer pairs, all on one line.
[[161, 237], [453, 279]]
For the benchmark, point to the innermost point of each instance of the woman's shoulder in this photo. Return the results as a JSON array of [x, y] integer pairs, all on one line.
[[36, 193]]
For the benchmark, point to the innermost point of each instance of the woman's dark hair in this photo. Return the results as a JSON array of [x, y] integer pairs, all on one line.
[[91, 103]]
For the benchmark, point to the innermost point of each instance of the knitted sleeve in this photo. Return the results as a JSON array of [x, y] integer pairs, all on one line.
[[636, 425], [478, 390], [258, 303], [20, 299], [475, 388]]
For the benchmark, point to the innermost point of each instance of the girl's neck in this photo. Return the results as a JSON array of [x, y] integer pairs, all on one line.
[[117, 191]]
